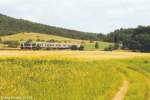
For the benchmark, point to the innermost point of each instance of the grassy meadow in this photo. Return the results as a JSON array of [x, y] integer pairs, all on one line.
[[34, 37], [74, 75], [38, 36]]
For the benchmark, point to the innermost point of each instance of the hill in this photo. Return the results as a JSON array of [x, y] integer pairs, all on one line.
[[46, 37], [34, 37], [135, 39], [9, 25]]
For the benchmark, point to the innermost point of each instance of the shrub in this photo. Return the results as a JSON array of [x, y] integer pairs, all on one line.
[[0, 40], [11, 44], [116, 46], [81, 47], [96, 45], [48, 48], [110, 48], [38, 40], [74, 47], [37, 48], [29, 41]]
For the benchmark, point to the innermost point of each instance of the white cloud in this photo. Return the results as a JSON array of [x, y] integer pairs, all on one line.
[[86, 15]]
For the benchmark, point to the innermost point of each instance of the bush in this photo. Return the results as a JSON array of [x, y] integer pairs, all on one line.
[[91, 41], [37, 48], [11, 44], [81, 47], [48, 48], [96, 45], [38, 40], [0, 40], [116, 46], [29, 41], [110, 48], [74, 47], [113, 47], [52, 40]]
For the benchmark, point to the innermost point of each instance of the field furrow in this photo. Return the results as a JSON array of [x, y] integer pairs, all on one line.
[[122, 91]]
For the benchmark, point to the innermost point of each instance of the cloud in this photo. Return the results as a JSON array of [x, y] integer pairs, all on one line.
[[86, 15]]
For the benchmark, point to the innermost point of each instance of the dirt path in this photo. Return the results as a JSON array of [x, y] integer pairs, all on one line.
[[122, 91], [146, 77]]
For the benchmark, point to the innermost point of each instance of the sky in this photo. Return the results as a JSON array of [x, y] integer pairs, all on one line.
[[100, 16]]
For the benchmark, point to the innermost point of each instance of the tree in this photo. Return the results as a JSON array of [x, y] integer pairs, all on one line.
[[139, 40], [96, 45], [101, 37], [9, 26]]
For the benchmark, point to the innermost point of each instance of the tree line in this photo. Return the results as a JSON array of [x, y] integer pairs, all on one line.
[[9, 25], [135, 39]]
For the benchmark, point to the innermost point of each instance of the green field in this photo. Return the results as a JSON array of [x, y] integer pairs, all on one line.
[[68, 75], [45, 37], [34, 37], [102, 45]]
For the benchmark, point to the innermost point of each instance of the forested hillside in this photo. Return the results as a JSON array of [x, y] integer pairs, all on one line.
[[9, 25], [137, 39]]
